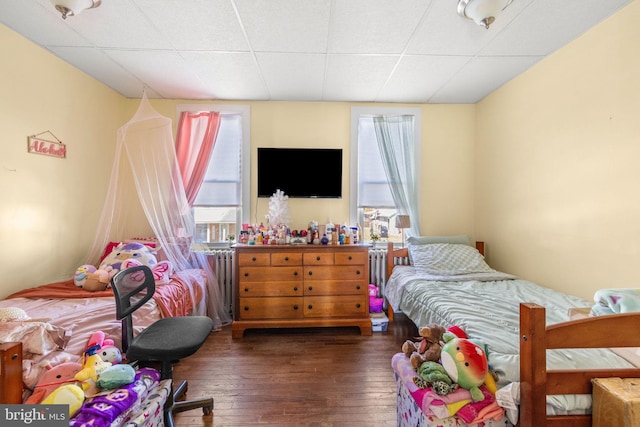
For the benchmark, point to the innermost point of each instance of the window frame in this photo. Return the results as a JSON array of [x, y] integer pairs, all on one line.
[[242, 214], [356, 114]]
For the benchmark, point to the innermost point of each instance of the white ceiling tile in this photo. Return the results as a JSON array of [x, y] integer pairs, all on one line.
[[356, 77], [418, 78], [228, 75], [164, 72], [374, 26], [119, 24], [286, 25], [209, 25], [293, 77], [479, 77], [103, 68], [548, 25]]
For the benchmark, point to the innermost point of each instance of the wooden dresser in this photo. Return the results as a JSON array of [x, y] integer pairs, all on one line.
[[287, 286]]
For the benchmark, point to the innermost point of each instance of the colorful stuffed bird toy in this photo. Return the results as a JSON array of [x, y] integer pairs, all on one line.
[[466, 363]]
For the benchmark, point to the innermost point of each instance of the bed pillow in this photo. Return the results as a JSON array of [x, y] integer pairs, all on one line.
[[462, 239], [448, 259]]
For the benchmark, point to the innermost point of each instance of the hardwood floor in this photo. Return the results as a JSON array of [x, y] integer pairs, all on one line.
[[315, 377]]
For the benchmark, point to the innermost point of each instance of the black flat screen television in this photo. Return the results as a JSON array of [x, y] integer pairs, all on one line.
[[300, 172]]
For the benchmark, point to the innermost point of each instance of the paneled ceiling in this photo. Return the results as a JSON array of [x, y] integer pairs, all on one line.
[[414, 51]]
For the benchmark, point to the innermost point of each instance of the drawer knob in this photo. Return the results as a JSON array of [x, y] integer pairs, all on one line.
[[357, 305], [246, 308], [246, 289], [311, 273], [310, 307], [317, 258], [358, 272], [253, 259], [358, 287], [295, 288], [295, 273], [350, 257], [286, 258], [246, 274], [295, 307], [310, 288]]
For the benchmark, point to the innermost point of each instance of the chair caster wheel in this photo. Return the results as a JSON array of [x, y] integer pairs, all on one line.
[[207, 410]]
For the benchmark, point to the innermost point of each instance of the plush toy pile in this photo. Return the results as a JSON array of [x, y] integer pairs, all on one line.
[[445, 359], [123, 256], [70, 383]]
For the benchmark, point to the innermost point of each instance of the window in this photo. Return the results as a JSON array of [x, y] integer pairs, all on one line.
[[371, 202], [218, 208]]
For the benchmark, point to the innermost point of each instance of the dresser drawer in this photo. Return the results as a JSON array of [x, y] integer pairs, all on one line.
[[271, 289], [332, 306], [336, 272], [271, 308], [275, 274], [258, 258], [287, 258], [335, 287], [318, 258], [351, 258]]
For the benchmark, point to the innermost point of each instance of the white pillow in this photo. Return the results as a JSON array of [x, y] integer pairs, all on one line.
[[448, 259]]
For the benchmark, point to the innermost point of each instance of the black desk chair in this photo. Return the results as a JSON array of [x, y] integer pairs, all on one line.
[[166, 341]]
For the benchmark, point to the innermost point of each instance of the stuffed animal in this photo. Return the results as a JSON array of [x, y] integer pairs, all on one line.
[[133, 250], [92, 367], [95, 279], [68, 394], [116, 376], [466, 363], [80, 277], [103, 347], [427, 347], [110, 353], [433, 374], [162, 271], [54, 377]]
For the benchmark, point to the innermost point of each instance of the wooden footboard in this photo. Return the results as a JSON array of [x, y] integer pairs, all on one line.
[[536, 382]]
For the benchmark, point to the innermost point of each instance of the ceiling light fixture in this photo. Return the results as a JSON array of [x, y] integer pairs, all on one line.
[[74, 7], [482, 12]]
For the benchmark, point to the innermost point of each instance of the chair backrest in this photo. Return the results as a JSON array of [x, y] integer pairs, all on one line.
[[132, 288]]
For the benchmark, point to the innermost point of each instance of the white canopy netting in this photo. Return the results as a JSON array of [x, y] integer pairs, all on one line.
[[145, 194]]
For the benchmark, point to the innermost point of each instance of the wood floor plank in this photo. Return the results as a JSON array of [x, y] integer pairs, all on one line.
[[315, 377]]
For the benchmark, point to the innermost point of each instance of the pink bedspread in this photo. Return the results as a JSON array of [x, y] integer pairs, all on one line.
[[173, 299]]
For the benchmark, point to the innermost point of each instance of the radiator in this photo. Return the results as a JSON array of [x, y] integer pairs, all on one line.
[[222, 264], [378, 266]]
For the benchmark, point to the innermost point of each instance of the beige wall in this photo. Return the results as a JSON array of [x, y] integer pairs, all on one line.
[[49, 206], [557, 174]]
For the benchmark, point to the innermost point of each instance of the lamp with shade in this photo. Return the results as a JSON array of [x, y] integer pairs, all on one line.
[[402, 222]]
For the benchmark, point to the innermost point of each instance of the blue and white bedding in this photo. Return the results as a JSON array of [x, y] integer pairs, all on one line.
[[615, 301], [489, 310]]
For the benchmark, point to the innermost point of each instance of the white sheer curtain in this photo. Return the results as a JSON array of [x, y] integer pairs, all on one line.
[[146, 193], [396, 144]]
